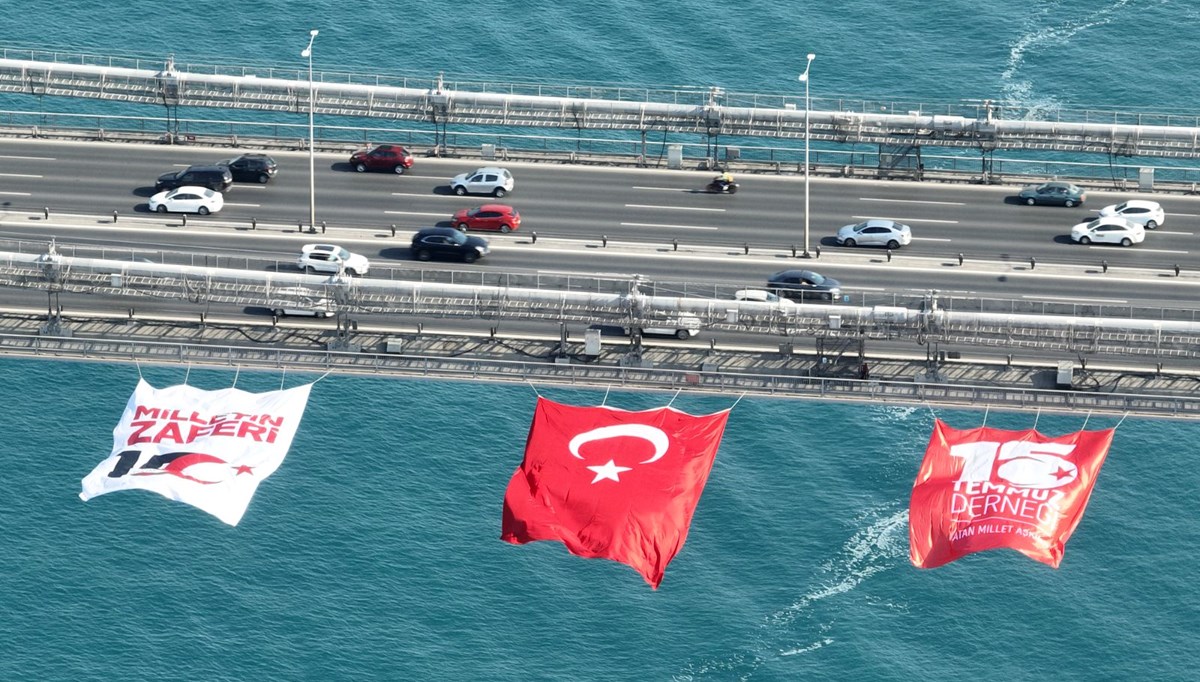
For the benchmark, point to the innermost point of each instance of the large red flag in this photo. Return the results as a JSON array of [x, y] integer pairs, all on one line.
[[611, 483], [985, 488]]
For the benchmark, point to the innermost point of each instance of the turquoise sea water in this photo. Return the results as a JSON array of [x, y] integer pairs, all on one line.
[[373, 552]]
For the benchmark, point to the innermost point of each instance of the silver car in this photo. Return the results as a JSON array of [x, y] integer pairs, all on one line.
[[875, 232]]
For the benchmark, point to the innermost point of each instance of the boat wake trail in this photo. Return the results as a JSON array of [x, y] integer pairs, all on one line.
[[1042, 34], [880, 543]]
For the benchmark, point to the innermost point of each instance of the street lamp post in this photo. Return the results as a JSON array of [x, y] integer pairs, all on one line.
[[312, 104], [804, 79]]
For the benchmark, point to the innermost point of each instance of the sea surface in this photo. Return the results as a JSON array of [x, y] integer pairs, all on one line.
[[373, 553]]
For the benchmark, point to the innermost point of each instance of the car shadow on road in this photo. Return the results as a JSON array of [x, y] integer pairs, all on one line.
[[144, 192], [1063, 239], [397, 253]]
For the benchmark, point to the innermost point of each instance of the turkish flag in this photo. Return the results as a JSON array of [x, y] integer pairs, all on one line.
[[983, 488], [611, 483]]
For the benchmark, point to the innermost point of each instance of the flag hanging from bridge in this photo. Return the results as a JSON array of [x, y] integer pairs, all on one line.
[[610, 483], [209, 449], [984, 488]]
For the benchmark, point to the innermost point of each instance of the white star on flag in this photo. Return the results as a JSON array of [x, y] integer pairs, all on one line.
[[608, 471]]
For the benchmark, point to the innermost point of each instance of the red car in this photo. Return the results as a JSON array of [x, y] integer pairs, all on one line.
[[385, 157], [488, 217]]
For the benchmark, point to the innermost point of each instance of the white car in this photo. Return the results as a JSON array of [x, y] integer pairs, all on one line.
[[300, 301], [332, 259], [762, 296], [1112, 230], [875, 232], [683, 327], [188, 199], [488, 180], [1148, 214]]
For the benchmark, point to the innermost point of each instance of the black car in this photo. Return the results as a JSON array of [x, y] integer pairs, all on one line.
[[447, 242], [216, 178], [805, 286], [258, 168]]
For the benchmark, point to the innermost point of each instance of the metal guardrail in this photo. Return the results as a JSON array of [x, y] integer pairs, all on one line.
[[769, 385], [751, 155]]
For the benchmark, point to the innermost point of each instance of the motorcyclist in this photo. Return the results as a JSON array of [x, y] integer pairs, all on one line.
[[723, 181]]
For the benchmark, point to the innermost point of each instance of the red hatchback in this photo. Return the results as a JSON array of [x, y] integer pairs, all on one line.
[[385, 157], [488, 217]]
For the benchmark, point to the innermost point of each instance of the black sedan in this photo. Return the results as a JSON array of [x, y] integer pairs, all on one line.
[[447, 242], [804, 286], [1053, 194]]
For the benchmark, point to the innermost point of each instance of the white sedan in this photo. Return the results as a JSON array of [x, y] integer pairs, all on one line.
[[875, 232], [1148, 214], [187, 199], [1112, 230]]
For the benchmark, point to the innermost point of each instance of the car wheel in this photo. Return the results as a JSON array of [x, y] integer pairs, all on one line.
[[463, 226], [1150, 224], [423, 254], [203, 210], [1030, 201], [309, 270], [360, 167], [1069, 204], [850, 242], [1085, 240], [470, 257], [263, 178], [460, 190], [506, 229], [399, 170], [162, 208], [499, 192], [278, 312], [1127, 242], [826, 296], [683, 334], [352, 272], [893, 244]]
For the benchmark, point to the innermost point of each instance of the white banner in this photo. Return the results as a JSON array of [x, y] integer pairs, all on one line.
[[209, 449]]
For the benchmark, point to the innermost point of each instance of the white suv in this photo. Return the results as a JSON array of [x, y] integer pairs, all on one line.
[[488, 180], [1148, 214], [332, 259]]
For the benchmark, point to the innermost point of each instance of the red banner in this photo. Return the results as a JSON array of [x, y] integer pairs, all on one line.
[[612, 484], [984, 488]]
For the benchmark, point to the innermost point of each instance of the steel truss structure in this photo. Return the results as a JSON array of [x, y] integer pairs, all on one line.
[[831, 324], [710, 113]]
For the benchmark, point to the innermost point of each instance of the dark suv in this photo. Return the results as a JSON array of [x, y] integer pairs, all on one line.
[[385, 157], [251, 168], [216, 178]]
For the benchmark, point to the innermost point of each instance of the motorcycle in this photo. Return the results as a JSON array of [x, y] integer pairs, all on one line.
[[721, 187]]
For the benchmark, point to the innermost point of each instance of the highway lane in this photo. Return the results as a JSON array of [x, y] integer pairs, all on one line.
[[634, 205], [867, 277]]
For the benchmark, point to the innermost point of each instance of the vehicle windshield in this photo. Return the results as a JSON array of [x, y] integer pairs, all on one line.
[[459, 237], [815, 278], [1121, 207], [342, 254], [1094, 223], [473, 212]]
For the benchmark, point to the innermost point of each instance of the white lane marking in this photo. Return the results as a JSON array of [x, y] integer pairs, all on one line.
[[677, 227], [435, 215], [915, 201], [1106, 246], [1068, 299], [1186, 215], [230, 203], [16, 194], [904, 220], [440, 196], [1181, 234], [668, 189], [181, 165], [931, 239], [28, 158], [676, 208], [19, 175]]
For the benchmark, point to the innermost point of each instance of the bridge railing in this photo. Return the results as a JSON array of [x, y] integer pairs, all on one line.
[[769, 385]]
